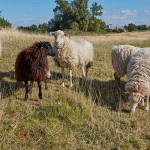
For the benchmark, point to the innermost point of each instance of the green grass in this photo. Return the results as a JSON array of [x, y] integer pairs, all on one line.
[[92, 116]]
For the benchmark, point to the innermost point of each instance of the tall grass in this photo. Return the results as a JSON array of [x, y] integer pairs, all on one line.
[[93, 115]]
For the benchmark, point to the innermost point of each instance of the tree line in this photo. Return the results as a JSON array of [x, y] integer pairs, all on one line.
[[42, 28], [75, 15], [132, 27]]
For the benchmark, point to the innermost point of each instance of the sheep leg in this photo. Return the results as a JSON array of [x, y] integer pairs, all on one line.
[[142, 102], [83, 74], [147, 103], [117, 81], [26, 93], [40, 91], [86, 73], [31, 86], [46, 86], [63, 77], [70, 74]]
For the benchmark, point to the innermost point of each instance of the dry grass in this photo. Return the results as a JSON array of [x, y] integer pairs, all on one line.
[[94, 116], [125, 36]]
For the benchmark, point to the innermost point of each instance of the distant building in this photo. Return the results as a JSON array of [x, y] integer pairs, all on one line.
[[114, 27]]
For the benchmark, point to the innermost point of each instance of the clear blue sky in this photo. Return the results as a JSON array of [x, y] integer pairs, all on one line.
[[122, 12]]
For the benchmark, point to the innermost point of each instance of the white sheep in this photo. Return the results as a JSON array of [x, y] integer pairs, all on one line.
[[73, 54], [0, 49], [121, 56], [138, 78]]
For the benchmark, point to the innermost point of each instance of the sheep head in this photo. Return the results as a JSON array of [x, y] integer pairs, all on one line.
[[59, 38], [49, 50], [134, 99]]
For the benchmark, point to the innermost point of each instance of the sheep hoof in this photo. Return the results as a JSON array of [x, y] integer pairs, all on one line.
[[63, 84], [30, 92], [26, 98], [46, 87], [146, 109], [132, 110], [71, 86], [40, 95]]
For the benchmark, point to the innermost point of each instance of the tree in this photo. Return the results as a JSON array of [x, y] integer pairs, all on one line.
[[95, 24], [33, 28], [81, 13], [142, 27], [131, 27], [4, 23], [43, 28], [126, 27], [63, 16], [96, 9], [75, 15]]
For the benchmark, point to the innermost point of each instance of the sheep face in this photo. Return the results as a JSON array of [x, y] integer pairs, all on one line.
[[59, 39], [134, 99], [49, 50]]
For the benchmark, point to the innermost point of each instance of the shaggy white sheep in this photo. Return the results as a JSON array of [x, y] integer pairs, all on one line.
[[121, 55], [72, 54], [138, 78], [0, 49]]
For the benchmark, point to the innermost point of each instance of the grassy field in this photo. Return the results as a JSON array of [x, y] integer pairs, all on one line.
[[94, 116]]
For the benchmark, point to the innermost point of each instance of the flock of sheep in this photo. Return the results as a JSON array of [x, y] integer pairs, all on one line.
[[32, 65], [135, 62]]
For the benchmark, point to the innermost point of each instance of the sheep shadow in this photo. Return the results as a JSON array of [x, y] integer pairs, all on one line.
[[56, 76], [8, 87], [10, 75], [105, 93]]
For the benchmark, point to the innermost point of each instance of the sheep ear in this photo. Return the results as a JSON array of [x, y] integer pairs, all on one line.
[[126, 93], [52, 33], [41, 45]]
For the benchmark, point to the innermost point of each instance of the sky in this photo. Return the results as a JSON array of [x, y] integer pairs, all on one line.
[[121, 12]]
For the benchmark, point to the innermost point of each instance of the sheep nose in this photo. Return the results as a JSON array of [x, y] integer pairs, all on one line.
[[57, 42]]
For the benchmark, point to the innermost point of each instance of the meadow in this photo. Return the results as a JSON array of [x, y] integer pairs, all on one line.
[[92, 116]]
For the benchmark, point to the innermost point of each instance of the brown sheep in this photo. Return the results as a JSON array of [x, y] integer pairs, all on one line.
[[32, 65]]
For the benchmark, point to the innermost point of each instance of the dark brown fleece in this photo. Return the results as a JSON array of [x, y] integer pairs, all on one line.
[[32, 64]]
